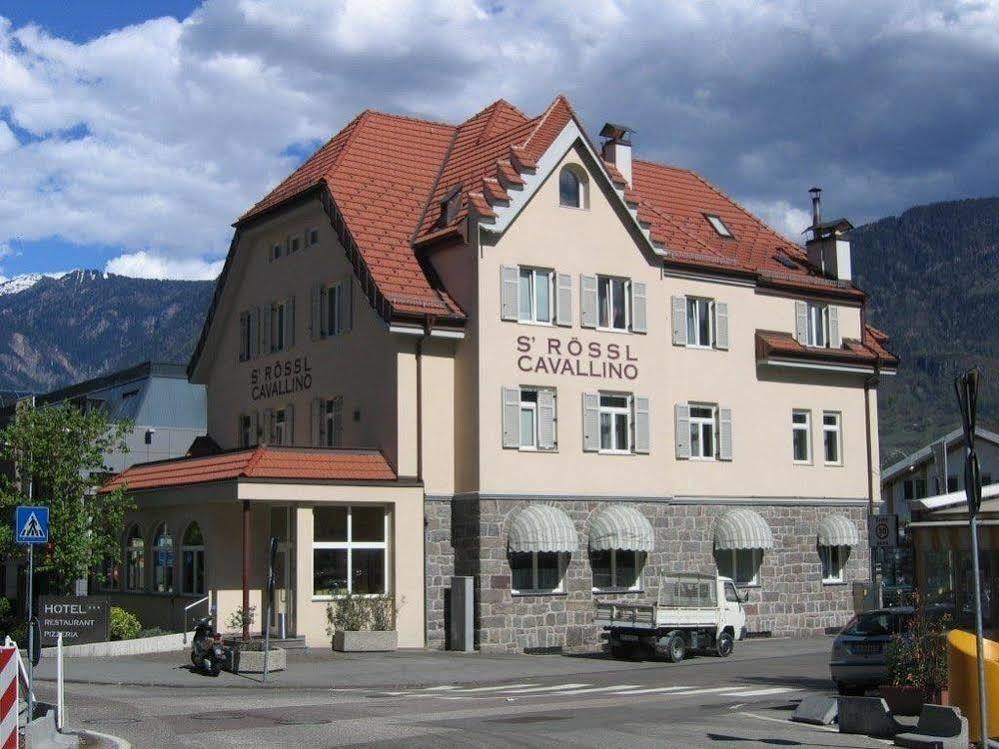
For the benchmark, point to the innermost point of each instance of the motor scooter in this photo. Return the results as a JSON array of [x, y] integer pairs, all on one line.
[[207, 651]]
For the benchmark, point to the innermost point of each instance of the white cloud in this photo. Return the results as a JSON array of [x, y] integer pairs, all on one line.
[[147, 265], [782, 217], [155, 137]]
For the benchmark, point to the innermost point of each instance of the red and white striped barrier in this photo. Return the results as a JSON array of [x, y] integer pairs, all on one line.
[[8, 697]]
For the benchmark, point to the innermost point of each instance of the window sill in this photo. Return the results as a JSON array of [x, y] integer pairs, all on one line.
[[537, 323], [615, 452], [699, 347], [625, 331], [696, 459], [839, 465], [536, 593], [834, 583], [616, 591], [536, 450], [801, 462]]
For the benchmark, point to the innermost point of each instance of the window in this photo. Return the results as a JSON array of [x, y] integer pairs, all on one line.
[[571, 188], [245, 336], [731, 594], [801, 436], [615, 423], [700, 322], [163, 560], [528, 419], [818, 324], [719, 226], [312, 237], [536, 298], [277, 250], [914, 489], [281, 429], [192, 560], [833, 560], [247, 431], [349, 553], [135, 559], [109, 578], [538, 572], [617, 569], [332, 415], [278, 312], [742, 565], [832, 441], [294, 243], [335, 309], [703, 434], [612, 300]]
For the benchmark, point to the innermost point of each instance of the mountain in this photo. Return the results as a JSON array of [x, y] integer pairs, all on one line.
[[932, 274], [57, 331]]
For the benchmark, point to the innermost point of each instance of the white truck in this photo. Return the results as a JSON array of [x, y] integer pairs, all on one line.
[[694, 612]]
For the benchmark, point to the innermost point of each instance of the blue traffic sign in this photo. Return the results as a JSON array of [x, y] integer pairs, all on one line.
[[32, 525]]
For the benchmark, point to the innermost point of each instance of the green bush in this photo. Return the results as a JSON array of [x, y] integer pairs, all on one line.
[[238, 617], [917, 657], [124, 624], [354, 613]]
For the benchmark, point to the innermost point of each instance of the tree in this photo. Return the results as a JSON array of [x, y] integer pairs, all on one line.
[[62, 449]]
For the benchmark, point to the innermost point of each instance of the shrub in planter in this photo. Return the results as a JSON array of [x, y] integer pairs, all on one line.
[[240, 616], [358, 623], [916, 661], [124, 624]]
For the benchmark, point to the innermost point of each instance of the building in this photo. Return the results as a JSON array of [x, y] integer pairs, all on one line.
[[497, 349]]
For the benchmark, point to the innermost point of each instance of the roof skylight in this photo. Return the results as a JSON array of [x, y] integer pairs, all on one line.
[[719, 226]]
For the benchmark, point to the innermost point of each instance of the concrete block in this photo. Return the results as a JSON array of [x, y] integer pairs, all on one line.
[[939, 727], [252, 661], [365, 642], [41, 733], [817, 709], [868, 716]]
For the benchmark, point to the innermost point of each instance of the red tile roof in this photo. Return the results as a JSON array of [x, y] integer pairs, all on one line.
[[869, 352], [257, 463]]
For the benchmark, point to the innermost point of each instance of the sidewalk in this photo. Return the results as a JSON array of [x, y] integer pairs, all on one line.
[[324, 669]]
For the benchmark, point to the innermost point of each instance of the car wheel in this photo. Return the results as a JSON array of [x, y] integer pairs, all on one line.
[[676, 649], [725, 645]]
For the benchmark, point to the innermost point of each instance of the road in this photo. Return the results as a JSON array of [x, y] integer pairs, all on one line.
[[743, 701]]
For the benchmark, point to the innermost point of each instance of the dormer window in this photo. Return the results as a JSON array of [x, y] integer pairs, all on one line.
[[450, 205], [572, 187], [719, 226]]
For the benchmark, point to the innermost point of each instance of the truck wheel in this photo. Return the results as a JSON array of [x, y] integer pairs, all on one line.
[[725, 645], [676, 649]]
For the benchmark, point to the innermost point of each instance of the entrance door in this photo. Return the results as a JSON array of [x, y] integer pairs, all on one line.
[[281, 529]]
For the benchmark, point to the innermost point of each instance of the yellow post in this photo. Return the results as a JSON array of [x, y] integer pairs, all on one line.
[[962, 660]]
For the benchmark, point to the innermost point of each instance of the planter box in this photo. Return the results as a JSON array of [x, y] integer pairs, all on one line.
[[252, 661], [365, 642], [905, 700]]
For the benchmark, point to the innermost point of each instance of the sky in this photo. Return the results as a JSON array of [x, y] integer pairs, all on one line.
[[132, 134]]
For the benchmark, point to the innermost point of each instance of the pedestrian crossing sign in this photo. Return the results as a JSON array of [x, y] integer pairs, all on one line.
[[32, 525]]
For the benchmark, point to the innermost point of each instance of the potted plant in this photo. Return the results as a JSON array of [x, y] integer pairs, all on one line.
[[917, 665], [359, 623]]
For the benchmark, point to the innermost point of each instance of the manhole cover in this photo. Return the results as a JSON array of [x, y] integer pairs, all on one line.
[[529, 719], [304, 722], [220, 715]]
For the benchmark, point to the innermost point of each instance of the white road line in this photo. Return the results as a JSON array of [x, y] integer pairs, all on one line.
[[654, 691], [709, 690], [760, 692], [491, 689], [533, 690], [614, 688]]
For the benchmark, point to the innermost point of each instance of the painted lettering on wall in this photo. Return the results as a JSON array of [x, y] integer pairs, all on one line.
[[611, 361], [281, 378]]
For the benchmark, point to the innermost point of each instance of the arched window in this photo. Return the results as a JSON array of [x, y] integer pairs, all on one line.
[[163, 560], [572, 187], [135, 559], [192, 560]]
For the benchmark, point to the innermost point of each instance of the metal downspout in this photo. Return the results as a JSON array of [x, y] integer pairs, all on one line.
[[428, 326]]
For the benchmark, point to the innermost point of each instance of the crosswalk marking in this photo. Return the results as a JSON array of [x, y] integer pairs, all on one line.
[[533, 690], [655, 690], [476, 690], [708, 690], [614, 688], [760, 692]]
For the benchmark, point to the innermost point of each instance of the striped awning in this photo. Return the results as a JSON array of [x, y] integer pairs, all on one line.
[[621, 527], [838, 530], [743, 529], [542, 528]]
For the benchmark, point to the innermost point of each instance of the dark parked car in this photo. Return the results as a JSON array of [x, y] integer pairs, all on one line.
[[858, 652]]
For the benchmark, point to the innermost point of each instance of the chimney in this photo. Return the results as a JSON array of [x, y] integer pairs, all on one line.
[[617, 147], [829, 248]]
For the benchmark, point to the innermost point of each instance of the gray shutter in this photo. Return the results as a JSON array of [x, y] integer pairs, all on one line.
[[511, 417], [265, 330], [289, 424], [638, 313], [679, 321], [317, 422], [642, 426], [244, 324], [591, 422], [268, 431], [725, 433], [835, 341], [801, 322], [316, 312], [682, 411], [255, 332], [563, 307], [588, 301], [509, 291], [546, 419], [254, 428], [346, 312], [289, 323], [721, 325]]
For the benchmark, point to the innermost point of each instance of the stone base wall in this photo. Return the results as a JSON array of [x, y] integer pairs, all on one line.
[[468, 536]]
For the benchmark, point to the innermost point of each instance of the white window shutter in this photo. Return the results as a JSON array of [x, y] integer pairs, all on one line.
[[509, 291], [255, 332], [265, 330], [638, 305], [835, 341], [682, 411], [801, 322], [346, 311], [546, 419], [725, 433], [268, 431], [588, 301], [289, 425], [317, 422], [591, 422], [642, 426], [721, 325], [254, 428], [316, 312], [511, 417], [563, 310], [679, 304]]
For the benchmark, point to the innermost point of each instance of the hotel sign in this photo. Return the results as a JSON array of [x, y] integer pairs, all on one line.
[[81, 620], [281, 378], [574, 358]]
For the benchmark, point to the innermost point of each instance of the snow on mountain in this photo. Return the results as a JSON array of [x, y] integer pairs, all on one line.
[[17, 284]]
